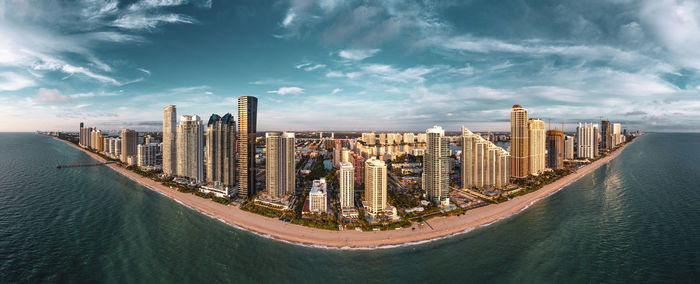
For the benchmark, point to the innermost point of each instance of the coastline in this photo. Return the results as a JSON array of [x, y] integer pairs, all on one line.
[[440, 228]]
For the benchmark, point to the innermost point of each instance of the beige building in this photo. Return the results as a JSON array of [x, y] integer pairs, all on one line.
[[221, 150], [484, 165], [537, 136], [375, 186], [280, 174], [190, 148], [436, 166], [169, 140], [247, 127], [146, 155], [318, 197], [130, 139], [519, 142]]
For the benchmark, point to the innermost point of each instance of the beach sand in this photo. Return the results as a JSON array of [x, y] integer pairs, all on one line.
[[440, 227]]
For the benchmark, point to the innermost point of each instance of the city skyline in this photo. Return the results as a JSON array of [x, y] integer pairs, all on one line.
[[117, 64]]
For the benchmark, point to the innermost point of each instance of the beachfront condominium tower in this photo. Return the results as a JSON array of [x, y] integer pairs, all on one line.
[[617, 134], [247, 126], [606, 135], [375, 186], [555, 149], [436, 166], [568, 148], [169, 140], [221, 150], [519, 142], [586, 141], [279, 164], [190, 148], [537, 133], [318, 196], [130, 139], [359, 163], [347, 185], [483, 163]]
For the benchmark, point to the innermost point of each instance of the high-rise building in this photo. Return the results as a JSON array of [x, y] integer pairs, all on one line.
[[359, 164], [80, 136], [247, 127], [606, 135], [483, 163], [555, 149], [617, 134], [568, 148], [318, 197], [519, 142], [586, 141], [190, 148], [347, 185], [280, 176], [146, 154], [344, 155], [436, 166], [409, 138], [221, 150], [375, 186], [130, 139], [336, 154], [537, 142], [169, 140]]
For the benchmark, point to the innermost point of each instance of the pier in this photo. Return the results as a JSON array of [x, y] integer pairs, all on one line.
[[82, 165]]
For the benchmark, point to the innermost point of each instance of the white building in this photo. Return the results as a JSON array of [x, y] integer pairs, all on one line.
[[436, 166], [318, 198], [347, 185], [568, 148], [190, 148], [375, 186], [146, 155], [280, 175], [587, 141]]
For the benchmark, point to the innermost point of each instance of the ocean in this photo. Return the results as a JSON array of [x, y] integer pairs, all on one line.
[[636, 219]]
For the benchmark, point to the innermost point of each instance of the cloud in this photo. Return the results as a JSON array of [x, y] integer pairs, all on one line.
[[635, 113], [10, 81], [289, 18], [145, 71], [310, 66], [149, 22], [287, 90], [335, 91], [50, 96], [357, 54]]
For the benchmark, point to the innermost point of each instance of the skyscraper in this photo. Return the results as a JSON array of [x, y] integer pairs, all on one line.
[[247, 126], [568, 148], [130, 139], [347, 185], [617, 134], [318, 196], [436, 166], [221, 150], [359, 169], [555, 149], [586, 140], [519, 142], [375, 186], [169, 140], [483, 163], [146, 154], [537, 141], [606, 135], [190, 152], [280, 175]]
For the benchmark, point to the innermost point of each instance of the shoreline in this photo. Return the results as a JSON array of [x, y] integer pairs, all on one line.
[[442, 227]]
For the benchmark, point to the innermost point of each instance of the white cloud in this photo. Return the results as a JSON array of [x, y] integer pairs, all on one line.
[[676, 25], [287, 90], [50, 96], [145, 71], [11, 81], [357, 54], [335, 91], [143, 21], [289, 18]]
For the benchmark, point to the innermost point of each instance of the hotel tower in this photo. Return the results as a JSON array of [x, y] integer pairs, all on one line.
[[247, 126], [519, 142], [169, 141]]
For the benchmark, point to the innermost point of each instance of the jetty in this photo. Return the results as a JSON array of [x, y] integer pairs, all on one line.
[[82, 165]]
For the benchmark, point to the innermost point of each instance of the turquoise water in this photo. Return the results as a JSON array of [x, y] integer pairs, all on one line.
[[636, 219]]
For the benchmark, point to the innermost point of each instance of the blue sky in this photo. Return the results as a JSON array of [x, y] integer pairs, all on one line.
[[350, 65]]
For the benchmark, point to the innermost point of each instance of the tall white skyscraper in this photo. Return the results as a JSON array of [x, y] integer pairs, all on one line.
[[190, 148], [280, 175], [587, 140], [169, 140], [375, 186], [436, 166], [347, 185]]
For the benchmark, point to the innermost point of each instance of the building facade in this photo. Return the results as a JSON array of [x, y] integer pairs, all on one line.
[[586, 141], [519, 142], [484, 165], [130, 139], [221, 150], [318, 197], [347, 185], [375, 187], [606, 135], [436, 166], [147, 155], [190, 148], [280, 174], [537, 134], [247, 127], [568, 148], [555, 149], [169, 140]]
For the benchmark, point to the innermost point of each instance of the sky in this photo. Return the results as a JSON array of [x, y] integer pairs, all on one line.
[[350, 65]]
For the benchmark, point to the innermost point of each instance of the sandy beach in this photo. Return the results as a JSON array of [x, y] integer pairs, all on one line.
[[438, 227]]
